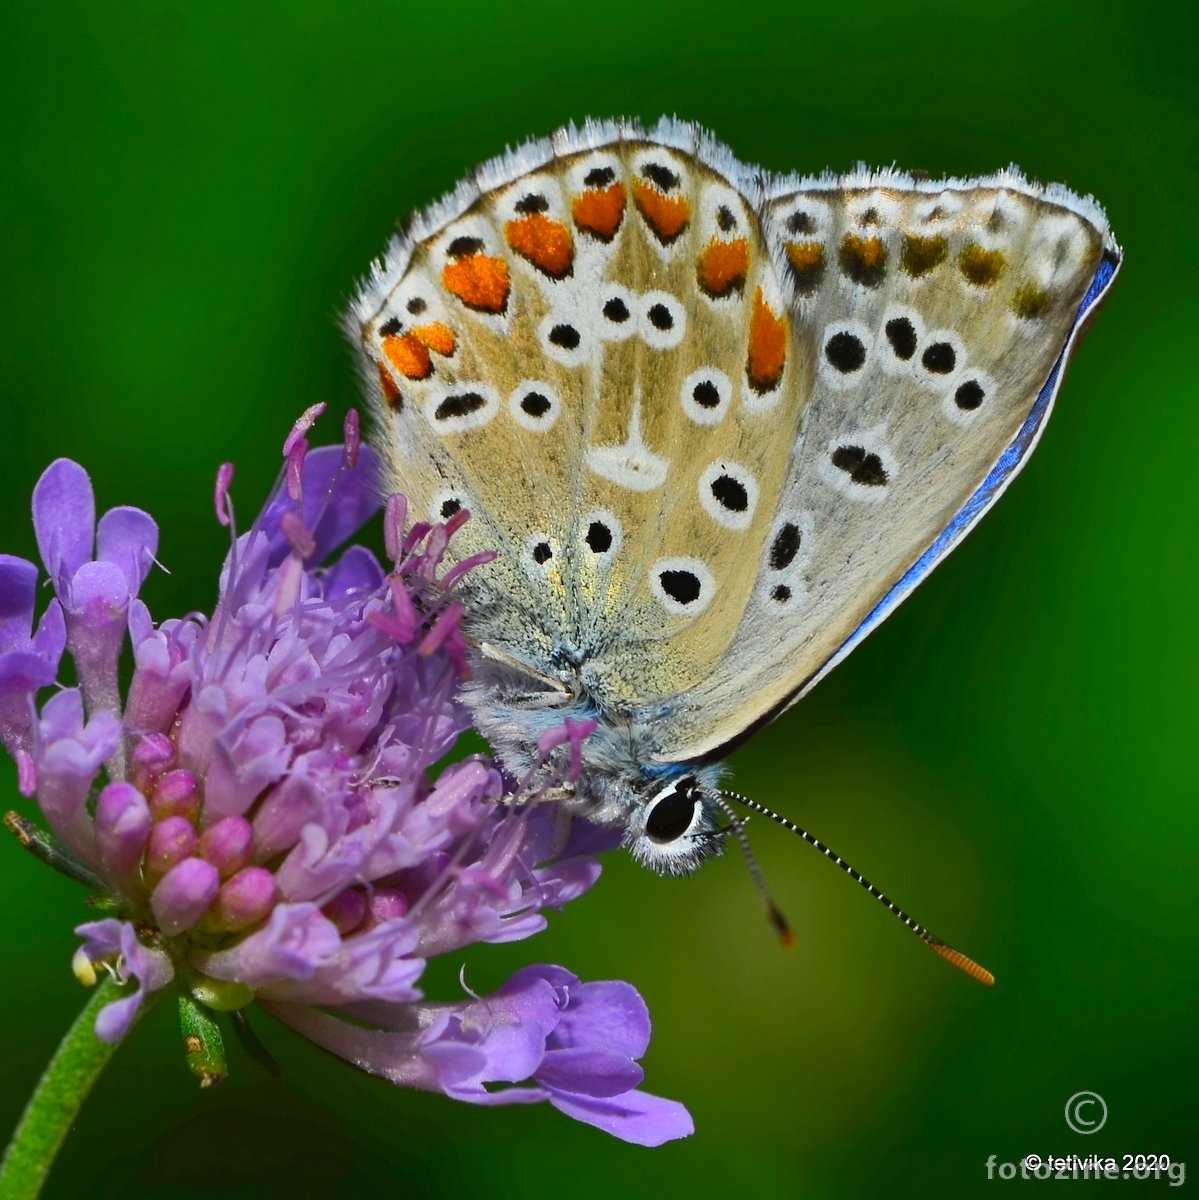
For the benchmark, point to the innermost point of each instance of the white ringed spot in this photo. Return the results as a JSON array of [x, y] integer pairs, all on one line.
[[538, 554], [602, 535], [967, 396], [706, 395], [662, 320], [466, 405], [561, 337], [845, 348], [618, 313], [682, 586], [860, 466], [941, 356], [728, 493], [446, 503], [534, 405]]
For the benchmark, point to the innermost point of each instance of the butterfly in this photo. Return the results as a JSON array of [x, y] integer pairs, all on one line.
[[718, 424]]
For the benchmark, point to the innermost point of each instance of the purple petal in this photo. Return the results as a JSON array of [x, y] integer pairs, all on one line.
[[128, 538], [64, 519], [336, 499], [455, 1049], [635, 1117], [99, 594], [589, 1072], [26, 664], [357, 570], [565, 881], [151, 968], [355, 497], [164, 665], [101, 938], [18, 584], [69, 755], [50, 640], [393, 1056], [297, 940], [320, 864], [609, 1016], [379, 964], [245, 763]]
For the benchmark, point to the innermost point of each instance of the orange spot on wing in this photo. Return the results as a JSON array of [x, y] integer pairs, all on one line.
[[807, 265], [667, 215], [803, 256], [722, 267], [863, 259], [546, 244], [391, 393], [438, 337], [922, 254], [1031, 302], [981, 267], [767, 346], [478, 281], [600, 212], [408, 355]]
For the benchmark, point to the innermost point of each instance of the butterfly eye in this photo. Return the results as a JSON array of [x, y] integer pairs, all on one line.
[[672, 812]]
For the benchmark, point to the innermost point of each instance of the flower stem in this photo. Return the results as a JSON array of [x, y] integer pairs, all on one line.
[[56, 1101]]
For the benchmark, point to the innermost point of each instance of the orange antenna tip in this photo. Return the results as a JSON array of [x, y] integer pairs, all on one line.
[[959, 960], [781, 926]]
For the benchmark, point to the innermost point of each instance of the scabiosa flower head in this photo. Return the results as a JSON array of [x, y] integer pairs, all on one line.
[[257, 806]]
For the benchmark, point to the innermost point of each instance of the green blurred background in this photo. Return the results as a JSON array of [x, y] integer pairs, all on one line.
[[190, 191]]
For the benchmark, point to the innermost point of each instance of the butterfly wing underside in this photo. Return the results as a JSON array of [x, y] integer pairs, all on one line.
[[717, 423], [937, 321], [586, 347]]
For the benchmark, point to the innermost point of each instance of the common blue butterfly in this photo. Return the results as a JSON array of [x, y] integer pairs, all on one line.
[[717, 422]]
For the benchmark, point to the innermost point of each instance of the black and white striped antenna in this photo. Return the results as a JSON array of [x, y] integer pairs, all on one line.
[[960, 960]]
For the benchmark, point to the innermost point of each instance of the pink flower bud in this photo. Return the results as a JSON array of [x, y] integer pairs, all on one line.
[[347, 910], [175, 796], [244, 899], [184, 894], [227, 845], [122, 827], [171, 841], [387, 904]]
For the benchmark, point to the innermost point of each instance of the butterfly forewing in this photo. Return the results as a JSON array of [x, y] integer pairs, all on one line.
[[598, 367]]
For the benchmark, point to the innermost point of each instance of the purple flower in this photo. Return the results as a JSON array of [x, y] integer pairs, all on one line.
[[259, 803], [96, 570], [552, 1037], [28, 660]]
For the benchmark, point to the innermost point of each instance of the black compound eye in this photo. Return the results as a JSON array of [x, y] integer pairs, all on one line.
[[672, 812]]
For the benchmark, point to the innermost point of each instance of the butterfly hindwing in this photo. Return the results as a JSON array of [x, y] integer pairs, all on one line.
[[933, 317]]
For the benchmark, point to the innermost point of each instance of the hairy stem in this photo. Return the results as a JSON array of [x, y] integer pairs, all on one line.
[[55, 1103]]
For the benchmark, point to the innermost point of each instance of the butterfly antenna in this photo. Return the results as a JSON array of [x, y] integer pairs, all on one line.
[[774, 914], [973, 969]]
